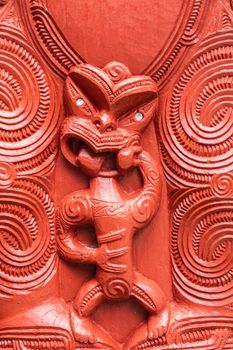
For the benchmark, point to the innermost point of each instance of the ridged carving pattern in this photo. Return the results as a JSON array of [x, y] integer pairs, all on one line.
[[107, 111], [34, 339], [29, 117], [25, 122], [202, 247], [196, 128], [163, 65], [61, 56], [52, 43], [27, 253]]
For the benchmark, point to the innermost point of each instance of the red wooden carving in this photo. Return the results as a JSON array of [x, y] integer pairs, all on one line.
[[116, 179], [107, 112]]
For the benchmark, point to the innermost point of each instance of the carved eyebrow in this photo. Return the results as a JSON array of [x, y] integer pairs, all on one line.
[[127, 112], [128, 94], [93, 85], [131, 102], [131, 93]]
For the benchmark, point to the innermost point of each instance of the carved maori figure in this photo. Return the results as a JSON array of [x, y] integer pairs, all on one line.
[[107, 112], [103, 134]]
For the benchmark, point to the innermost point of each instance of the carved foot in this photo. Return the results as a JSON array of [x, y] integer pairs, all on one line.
[[85, 331], [153, 332], [157, 325], [83, 328]]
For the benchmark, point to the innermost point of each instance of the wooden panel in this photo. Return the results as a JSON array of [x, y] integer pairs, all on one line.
[[116, 178]]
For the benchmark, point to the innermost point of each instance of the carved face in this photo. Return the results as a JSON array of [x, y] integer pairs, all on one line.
[[107, 110]]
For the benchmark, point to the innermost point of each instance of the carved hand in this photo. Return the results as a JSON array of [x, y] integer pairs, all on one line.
[[103, 255], [128, 158]]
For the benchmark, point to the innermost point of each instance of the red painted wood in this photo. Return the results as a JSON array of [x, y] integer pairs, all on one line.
[[116, 179]]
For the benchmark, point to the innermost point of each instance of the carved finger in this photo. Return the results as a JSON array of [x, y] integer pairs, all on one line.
[[117, 252], [136, 149], [115, 268]]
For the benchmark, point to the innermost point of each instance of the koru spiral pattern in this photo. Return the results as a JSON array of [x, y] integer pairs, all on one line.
[[196, 126], [7, 174], [28, 113], [222, 185], [202, 234], [27, 246], [116, 288]]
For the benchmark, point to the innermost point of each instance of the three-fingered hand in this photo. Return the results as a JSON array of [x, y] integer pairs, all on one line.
[[127, 158]]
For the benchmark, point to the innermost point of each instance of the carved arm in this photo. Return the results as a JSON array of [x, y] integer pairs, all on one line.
[[75, 211], [145, 205]]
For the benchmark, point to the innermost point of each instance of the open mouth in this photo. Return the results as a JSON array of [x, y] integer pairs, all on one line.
[[91, 162]]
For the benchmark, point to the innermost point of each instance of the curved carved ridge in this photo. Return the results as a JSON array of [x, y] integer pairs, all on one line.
[[48, 38], [27, 257], [203, 339], [198, 131], [42, 164], [143, 297], [163, 66], [88, 297], [201, 247], [35, 338], [28, 127], [61, 56]]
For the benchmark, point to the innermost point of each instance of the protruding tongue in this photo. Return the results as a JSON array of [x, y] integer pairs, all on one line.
[[89, 161]]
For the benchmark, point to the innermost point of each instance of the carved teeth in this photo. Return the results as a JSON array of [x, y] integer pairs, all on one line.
[[97, 141]]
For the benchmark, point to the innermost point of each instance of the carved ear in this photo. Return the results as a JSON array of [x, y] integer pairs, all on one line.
[[94, 83]]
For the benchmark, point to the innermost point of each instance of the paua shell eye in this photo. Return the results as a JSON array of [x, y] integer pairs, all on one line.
[[139, 116], [80, 102]]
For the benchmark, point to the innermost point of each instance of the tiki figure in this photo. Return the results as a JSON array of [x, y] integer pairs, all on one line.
[[107, 111]]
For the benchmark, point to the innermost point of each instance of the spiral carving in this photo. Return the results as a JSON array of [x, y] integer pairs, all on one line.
[[27, 249], [202, 235], [7, 174], [222, 185], [117, 71], [28, 113], [75, 210], [116, 288], [143, 208], [196, 129]]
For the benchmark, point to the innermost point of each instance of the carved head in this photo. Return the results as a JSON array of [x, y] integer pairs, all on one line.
[[107, 110]]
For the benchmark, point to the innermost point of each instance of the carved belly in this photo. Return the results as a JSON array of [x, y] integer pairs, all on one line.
[[116, 288]]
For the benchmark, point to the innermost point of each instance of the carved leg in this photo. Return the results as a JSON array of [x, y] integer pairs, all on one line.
[[153, 299], [84, 329], [88, 298]]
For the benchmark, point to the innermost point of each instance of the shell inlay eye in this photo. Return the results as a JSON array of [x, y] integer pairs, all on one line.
[[80, 102], [138, 116]]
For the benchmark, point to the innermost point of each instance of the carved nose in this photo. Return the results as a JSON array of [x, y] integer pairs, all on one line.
[[105, 122]]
